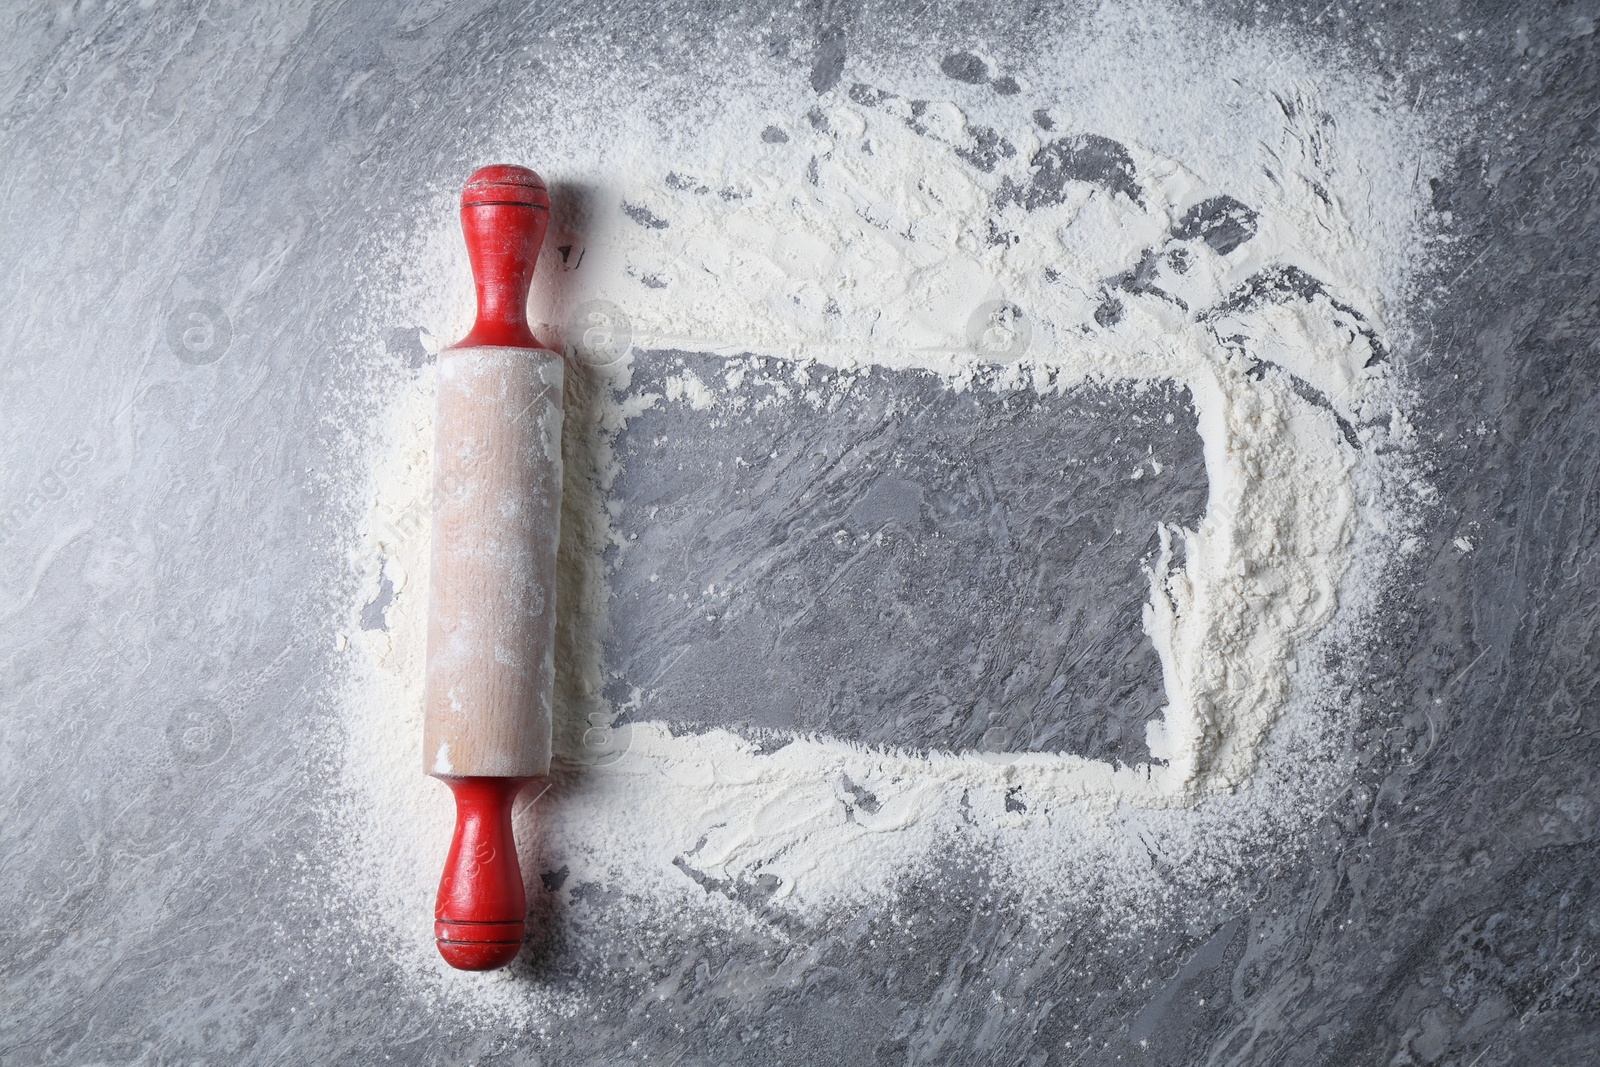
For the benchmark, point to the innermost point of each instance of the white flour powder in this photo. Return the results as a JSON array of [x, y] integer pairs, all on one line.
[[1159, 202]]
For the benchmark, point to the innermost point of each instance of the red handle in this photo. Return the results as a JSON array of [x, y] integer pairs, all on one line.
[[480, 916], [505, 211]]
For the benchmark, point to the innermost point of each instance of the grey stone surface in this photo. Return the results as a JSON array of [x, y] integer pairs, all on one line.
[[178, 233], [929, 512]]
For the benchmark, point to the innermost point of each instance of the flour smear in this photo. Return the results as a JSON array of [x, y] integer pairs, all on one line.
[[1146, 199]]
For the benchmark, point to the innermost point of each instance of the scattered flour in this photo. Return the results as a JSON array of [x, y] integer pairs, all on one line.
[[1161, 202]]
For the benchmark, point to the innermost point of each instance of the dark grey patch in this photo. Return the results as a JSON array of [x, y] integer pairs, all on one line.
[[1274, 285], [1042, 119], [375, 615], [1086, 157], [751, 895], [812, 174], [1006, 86], [1109, 313], [867, 96], [1179, 260], [864, 798], [998, 237], [773, 135], [1014, 801], [1051, 274], [965, 67], [683, 183], [828, 63], [598, 896], [1142, 276], [817, 119], [1222, 222], [733, 194], [1142, 279], [1443, 194], [643, 216], [988, 148], [554, 880], [919, 108], [653, 281]]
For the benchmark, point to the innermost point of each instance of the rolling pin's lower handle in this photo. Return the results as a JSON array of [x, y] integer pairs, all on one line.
[[480, 917]]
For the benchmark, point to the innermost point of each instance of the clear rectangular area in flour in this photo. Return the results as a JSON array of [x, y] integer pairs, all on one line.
[[887, 560]]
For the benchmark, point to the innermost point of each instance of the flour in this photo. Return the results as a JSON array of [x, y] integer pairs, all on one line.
[[1165, 204]]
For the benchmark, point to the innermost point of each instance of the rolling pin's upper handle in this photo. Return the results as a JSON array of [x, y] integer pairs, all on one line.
[[505, 211]]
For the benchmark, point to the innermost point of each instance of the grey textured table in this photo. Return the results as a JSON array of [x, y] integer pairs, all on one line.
[[155, 912]]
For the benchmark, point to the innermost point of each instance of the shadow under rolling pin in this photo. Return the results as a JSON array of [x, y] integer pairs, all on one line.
[[492, 587]]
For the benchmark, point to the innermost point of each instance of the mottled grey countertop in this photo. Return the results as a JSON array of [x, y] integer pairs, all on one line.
[[164, 629]]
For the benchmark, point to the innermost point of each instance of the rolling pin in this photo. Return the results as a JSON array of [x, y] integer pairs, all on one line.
[[492, 584]]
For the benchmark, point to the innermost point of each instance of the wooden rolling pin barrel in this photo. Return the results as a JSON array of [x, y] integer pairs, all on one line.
[[492, 586]]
